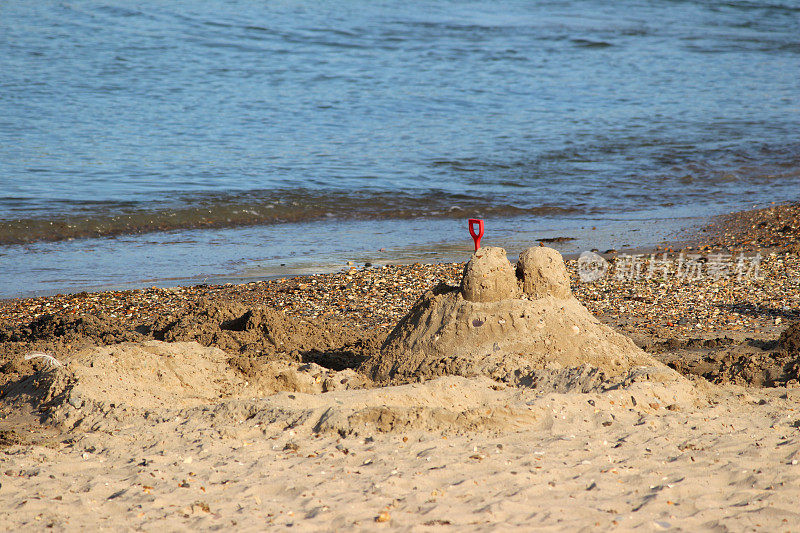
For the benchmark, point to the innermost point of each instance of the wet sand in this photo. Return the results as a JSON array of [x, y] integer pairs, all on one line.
[[124, 426]]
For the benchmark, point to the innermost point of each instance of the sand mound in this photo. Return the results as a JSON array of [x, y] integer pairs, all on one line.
[[742, 361], [101, 329], [761, 364], [448, 405], [543, 273], [489, 277], [790, 340], [520, 339], [249, 332], [451, 405], [132, 378], [238, 329], [454, 404]]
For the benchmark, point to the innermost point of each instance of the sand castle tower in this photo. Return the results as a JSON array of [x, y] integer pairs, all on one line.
[[515, 325]]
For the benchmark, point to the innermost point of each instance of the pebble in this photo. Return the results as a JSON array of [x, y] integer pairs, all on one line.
[[776, 227], [671, 304]]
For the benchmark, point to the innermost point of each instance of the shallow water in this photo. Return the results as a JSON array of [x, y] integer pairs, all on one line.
[[260, 252], [238, 126]]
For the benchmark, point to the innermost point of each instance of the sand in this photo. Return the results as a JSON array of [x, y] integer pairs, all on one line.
[[222, 418], [452, 452]]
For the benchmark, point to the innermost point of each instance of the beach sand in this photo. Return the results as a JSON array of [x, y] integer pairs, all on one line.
[[252, 406]]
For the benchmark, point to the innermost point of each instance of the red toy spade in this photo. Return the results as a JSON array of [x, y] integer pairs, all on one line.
[[476, 235]]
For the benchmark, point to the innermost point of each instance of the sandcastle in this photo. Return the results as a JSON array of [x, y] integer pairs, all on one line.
[[518, 326]]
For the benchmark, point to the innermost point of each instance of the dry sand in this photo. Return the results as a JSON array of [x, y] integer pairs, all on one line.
[[451, 453], [143, 434]]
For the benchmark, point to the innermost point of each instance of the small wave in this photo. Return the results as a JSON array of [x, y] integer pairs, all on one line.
[[586, 43], [763, 7], [119, 11], [256, 208]]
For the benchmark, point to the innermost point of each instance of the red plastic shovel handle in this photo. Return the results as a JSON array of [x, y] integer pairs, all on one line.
[[476, 235]]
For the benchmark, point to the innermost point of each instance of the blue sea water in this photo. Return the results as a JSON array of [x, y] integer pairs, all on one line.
[[149, 142]]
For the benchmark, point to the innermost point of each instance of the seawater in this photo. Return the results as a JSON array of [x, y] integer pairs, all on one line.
[[153, 142]]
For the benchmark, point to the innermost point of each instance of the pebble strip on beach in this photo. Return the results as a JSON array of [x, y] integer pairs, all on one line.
[[776, 228], [377, 297], [697, 302]]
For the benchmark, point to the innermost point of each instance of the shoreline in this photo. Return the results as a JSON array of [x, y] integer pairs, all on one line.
[[252, 254], [180, 259]]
